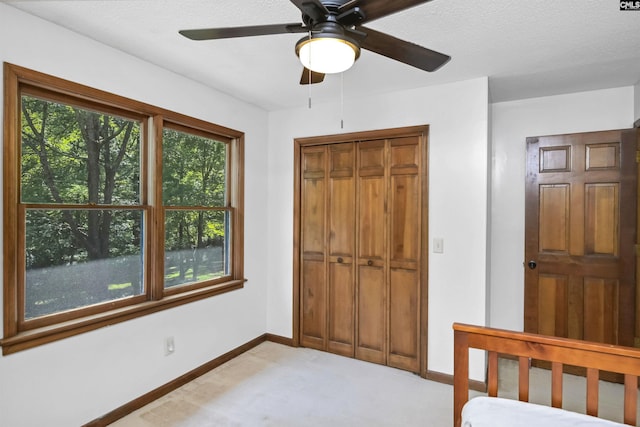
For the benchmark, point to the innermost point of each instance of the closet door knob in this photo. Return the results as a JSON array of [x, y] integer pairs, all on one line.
[[340, 260], [369, 262]]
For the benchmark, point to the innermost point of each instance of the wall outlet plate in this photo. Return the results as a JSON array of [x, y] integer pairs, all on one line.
[[169, 346]]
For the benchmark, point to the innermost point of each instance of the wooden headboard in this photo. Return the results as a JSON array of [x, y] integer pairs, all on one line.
[[594, 357]]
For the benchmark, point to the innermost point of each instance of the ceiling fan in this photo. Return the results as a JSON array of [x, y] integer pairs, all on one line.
[[336, 35]]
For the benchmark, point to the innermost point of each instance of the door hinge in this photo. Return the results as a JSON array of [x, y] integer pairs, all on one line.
[[637, 250], [636, 342], [638, 156]]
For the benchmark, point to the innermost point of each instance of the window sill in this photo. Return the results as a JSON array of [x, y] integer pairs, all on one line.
[[35, 337]]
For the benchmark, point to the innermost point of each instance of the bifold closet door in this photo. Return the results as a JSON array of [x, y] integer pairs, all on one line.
[[328, 241], [404, 253], [341, 221], [371, 261], [313, 247], [360, 232]]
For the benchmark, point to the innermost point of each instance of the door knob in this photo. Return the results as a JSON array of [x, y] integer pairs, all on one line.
[[532, 264], [369, 262], [340, 260]]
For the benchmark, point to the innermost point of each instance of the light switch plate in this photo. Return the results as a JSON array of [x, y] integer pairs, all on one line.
[[438, 245]]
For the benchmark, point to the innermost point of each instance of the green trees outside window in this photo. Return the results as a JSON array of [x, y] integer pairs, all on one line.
[[80, 175], [196, 236]]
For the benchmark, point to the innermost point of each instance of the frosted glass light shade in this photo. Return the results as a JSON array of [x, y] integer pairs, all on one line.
[[327, 55]]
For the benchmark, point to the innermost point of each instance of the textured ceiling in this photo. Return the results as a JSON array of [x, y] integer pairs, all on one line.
[[527, 48]]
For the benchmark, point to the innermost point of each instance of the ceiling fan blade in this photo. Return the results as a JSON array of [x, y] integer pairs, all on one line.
[[312, 8], [310, 77], [232, 32], [374, 9], [400, 50]]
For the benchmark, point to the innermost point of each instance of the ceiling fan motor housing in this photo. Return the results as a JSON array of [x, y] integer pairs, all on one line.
[[332, 11]]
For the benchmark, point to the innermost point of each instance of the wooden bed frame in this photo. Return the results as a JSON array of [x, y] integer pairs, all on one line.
[[594, 357]]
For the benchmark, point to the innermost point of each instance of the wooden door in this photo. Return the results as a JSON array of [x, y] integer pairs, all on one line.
[[404, 253], [580, 230], [341, 221], [312, 253], [360, 227], [327, 235], [371, 260], [389, 230]]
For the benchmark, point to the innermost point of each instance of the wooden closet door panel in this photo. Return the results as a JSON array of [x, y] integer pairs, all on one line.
[[341, 313], [341, 309], [313, 211], [404, 221], [403, 320], [371, 314], [371, 232], [404, 254], [313, 242], [313, 304], [313, 201]]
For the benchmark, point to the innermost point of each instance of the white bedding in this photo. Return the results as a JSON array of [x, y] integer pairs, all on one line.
[[496, 412]]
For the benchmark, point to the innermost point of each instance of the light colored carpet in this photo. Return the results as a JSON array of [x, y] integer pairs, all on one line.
[[276, 385]]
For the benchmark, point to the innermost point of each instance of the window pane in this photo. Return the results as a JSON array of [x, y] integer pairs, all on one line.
[[75, 258], [72, 155], [193, 170], [196, 247]]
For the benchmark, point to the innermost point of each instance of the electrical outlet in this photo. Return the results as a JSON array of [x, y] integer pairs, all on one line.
[[169, 346]]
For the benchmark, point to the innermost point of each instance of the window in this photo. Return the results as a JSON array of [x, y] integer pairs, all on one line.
[[112, 209], [194, 198]]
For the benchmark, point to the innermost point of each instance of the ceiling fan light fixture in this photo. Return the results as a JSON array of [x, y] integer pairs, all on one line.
[[327, 54]]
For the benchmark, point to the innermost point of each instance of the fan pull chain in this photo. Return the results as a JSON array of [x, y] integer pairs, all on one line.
[[309, 88], [309, 82], [341, 100]]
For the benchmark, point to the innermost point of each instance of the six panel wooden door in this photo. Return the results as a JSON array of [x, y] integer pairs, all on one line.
[[580, 230]]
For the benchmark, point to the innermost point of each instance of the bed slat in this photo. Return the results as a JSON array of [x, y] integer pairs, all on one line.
[[592, 391], [556, 385], [492, 375], [630, 399], [523, 379]]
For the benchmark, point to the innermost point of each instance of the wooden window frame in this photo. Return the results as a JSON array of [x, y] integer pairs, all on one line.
[[20, 335]]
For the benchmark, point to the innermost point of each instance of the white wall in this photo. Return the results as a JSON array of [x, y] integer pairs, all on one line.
[[458, 175], [512, 123], [73, 381]]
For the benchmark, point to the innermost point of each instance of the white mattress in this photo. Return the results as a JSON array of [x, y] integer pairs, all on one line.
[[497, 412]]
